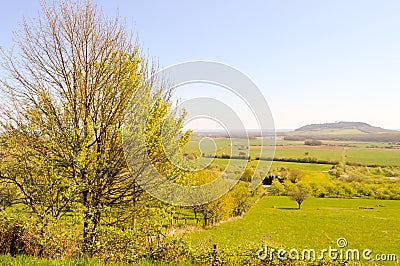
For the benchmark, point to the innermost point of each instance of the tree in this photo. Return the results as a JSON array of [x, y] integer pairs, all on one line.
[[241, 198], [312, 142], [247, 174], [29, 167], [299, 193], [295, 175], [276, 189], [70, 86], [218, 209], [317, 190], [288, 185], [8, 195]]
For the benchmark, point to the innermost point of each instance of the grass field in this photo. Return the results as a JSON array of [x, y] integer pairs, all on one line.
[[374, 156], [327, 154], [365, 153], [276, 221]]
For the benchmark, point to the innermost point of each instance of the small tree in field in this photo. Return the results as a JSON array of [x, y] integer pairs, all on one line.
[[299, 193]]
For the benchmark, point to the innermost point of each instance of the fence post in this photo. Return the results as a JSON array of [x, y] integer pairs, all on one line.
[[215, 252]]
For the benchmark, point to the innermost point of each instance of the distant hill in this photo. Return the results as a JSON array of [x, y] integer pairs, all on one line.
[[344, 131], [342, 128]]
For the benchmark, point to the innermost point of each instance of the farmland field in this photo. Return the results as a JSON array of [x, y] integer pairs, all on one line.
[[375, 156], [327, 154], [365, 153]]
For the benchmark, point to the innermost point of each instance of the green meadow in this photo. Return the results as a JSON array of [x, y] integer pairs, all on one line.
[[373, 156], [364, 153], [277, 222]]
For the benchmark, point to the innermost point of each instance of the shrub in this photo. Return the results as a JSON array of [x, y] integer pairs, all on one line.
[[132, 246], [312, 142], [20, 236]]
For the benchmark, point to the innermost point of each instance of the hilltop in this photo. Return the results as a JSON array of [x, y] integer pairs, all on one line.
[[358, 131], [342, 128]]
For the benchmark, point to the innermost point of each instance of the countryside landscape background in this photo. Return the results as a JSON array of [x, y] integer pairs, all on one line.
[[82, 119]]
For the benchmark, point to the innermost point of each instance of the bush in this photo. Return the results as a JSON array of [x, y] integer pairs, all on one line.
[[132, 246], [27, 237], [276, 189], [312, 142]]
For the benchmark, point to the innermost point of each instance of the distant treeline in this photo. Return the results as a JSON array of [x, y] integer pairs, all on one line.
[[290, 160], [293, 160], [234, 134], [381, 137], [299, 160], [339, 189]]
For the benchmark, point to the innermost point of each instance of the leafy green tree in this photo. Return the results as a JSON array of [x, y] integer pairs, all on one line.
[[317, 190], [295, 175], [8, 195], [277, 188], [299, 193], [363, 190], [241, 198], [247, 175], [75, 76], [30, 168], [348, 190], [218, 209], [288, 185]]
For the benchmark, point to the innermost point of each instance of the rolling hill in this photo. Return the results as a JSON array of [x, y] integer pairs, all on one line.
[[342, 128], [344, 131]]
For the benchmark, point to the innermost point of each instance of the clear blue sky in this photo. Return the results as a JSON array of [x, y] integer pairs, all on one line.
[[315, 61]]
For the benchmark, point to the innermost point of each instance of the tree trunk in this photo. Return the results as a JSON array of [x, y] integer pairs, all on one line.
[[90, 224], [195, 212], [86, 223]]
